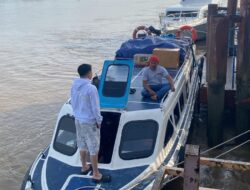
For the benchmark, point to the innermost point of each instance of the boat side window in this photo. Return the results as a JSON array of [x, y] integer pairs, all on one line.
[[189, 14], [181, 101], [115, 83], [169, 131], [138, 139], [176, 113], [65, 140], [173, 14]]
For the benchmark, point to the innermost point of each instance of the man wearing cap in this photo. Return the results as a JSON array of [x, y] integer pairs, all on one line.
[[152, 80]]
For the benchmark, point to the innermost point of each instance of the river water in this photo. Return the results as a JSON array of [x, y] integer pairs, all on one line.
[[41, 44]]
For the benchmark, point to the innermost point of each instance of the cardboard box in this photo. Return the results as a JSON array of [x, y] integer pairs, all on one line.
[[169, 58], [141, 60]]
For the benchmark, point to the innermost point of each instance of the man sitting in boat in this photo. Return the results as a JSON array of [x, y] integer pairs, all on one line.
[[152, 80]]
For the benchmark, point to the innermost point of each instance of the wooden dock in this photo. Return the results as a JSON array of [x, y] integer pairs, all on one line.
[[191, 170], [230, 86]]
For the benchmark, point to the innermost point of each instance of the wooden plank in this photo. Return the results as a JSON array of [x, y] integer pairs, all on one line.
[[217, 50], [191, 167], [174, 171], [212, 10], [227, 164]]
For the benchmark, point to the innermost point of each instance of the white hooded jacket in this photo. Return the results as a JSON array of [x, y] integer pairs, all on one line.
[[85, 102]]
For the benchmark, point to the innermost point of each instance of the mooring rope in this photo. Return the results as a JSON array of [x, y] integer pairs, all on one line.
[[174, 178], [223, 143], [224, 153]]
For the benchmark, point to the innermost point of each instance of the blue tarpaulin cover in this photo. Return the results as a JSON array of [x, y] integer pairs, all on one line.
[[146, 46]]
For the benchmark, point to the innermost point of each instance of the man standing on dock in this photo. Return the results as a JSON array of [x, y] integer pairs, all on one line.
[[152, 80], [88, 119]]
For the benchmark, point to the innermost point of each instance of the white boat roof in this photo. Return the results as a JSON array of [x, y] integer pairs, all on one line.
[[191, 5]]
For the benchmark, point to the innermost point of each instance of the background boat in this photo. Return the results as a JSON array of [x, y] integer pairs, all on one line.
[[186, 12]]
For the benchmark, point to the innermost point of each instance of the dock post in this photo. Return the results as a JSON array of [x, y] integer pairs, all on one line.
[[212, 11], [231, 11], [243, 69], [191, 167], [216, 75]]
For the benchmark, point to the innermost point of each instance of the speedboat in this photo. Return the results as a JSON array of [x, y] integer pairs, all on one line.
[[138, 136], [188, 12]]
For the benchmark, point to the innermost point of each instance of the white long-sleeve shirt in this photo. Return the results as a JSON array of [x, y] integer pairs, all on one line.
[[85, 102]]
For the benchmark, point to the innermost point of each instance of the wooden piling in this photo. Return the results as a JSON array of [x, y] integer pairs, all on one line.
[[191, 167], [231, 11], [243, 68], [216, 78], [212, 11]]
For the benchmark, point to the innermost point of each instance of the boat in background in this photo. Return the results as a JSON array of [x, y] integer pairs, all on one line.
[[188, 12]]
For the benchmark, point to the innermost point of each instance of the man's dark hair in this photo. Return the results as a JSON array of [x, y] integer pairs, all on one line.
[[84, 69]]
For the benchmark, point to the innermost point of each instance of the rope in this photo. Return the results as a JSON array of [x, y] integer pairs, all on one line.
[[224, 153], [176, 177], [206, 151]]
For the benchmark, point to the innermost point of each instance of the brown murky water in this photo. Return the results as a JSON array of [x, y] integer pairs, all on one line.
[[41, 44]]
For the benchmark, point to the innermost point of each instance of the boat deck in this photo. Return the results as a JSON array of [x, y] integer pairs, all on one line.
[[136, 101]]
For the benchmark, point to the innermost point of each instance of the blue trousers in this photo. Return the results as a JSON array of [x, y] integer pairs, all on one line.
[[160, 90]]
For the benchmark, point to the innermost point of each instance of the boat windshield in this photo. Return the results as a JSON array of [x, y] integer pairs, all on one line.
[[116, 81]]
